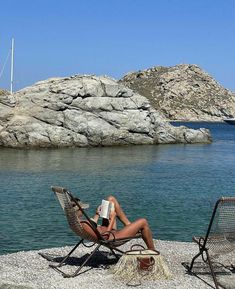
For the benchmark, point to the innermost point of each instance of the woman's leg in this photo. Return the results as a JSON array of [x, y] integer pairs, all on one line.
[[119, 212], [132, 229]]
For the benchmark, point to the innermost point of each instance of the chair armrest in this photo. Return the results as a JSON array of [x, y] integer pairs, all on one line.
[[199, 240], [107, 234], [196, 239]]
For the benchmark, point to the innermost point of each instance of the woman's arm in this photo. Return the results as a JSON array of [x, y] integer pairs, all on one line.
[[97, 215]]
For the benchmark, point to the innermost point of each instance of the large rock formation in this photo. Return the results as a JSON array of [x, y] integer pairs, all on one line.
[[85, 111], [4, 92], [183, 92]]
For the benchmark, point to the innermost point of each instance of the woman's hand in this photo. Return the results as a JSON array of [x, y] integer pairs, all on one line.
[[97, 214], [98, 209]]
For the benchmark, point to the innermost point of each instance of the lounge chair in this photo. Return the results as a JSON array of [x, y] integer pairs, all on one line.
[[108, 240], [219, 238]]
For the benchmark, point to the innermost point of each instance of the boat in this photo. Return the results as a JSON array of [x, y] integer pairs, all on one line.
[[230, 120]]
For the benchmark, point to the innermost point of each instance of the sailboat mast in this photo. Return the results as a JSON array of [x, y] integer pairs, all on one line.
[[12, 63]]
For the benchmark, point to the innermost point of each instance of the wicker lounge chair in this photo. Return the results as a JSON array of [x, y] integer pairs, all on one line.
[[220, 236], [67, 200]]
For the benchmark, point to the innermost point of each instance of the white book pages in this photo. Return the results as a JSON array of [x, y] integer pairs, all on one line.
[[105, 210]]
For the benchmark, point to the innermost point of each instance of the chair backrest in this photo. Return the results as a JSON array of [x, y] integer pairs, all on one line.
[[66, 201], [220, 237]]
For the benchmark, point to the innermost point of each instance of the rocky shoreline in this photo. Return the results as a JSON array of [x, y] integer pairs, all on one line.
[[83, 111], [89, 110], [28, 270]]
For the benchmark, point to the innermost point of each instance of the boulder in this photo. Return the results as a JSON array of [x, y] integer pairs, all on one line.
[[84, 111]]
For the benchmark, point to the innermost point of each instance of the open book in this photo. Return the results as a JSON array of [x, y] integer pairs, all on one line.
[[105, 209]]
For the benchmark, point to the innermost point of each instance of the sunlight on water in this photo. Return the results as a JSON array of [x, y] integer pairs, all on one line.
[[174, 186]]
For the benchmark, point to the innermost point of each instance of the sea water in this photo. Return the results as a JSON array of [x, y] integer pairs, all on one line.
[[174, 186]]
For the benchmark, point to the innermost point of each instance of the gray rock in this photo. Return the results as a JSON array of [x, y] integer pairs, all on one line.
[[183, 92], [85, 111]]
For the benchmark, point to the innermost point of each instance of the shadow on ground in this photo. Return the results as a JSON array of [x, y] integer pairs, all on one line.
[[224, 274], [99, 259]]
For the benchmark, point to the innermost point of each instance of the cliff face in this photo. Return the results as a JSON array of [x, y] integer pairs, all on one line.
[[4, 92], [85, 111], [183, 92]]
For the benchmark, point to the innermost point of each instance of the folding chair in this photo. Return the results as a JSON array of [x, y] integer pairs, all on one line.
[[67, 200], [219, 238]]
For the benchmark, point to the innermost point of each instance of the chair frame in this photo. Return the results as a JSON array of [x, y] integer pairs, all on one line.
[[203, 243], [102, 240]]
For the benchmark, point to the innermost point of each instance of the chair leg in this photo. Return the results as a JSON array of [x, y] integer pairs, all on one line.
[[65, 275], [114, 253], [66, 257], [212, 270], [209, 263], [82, 265], [193, 260]]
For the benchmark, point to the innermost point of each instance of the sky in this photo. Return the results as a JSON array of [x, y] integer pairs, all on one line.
[[57, 38]]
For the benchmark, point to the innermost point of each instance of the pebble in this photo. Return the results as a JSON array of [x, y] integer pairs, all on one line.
[[28, 270]]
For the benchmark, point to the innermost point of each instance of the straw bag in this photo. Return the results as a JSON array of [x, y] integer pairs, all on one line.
[[140, 264], [144, 262]]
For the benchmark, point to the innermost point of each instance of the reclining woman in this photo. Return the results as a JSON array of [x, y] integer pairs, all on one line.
[[129, 230]]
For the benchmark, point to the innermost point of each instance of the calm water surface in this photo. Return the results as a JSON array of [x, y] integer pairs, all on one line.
[[174, 186]]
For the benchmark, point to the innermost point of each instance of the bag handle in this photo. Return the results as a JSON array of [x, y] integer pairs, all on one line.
[[141, 248], [132, 249]]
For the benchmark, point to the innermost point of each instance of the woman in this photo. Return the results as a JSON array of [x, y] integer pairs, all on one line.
[[129, 230]]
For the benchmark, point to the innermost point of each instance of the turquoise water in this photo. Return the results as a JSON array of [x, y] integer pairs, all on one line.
[[173, 186]]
